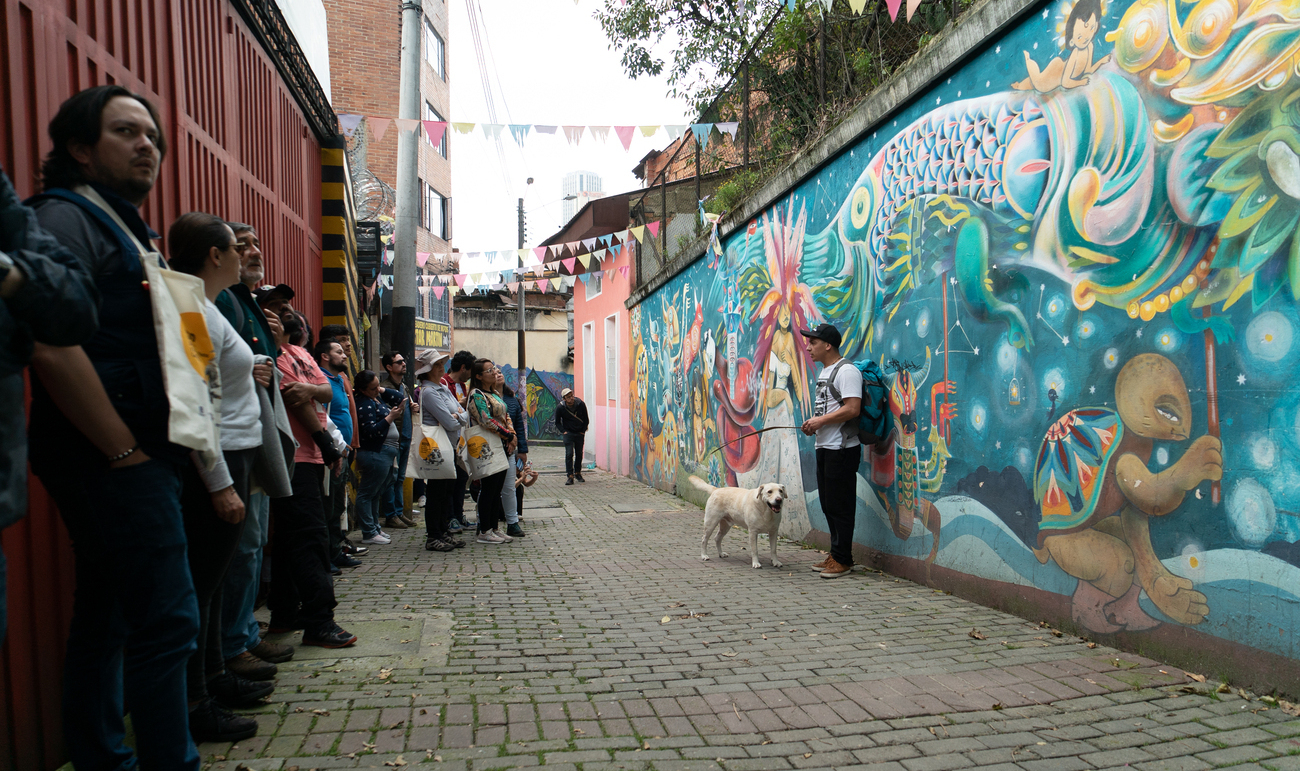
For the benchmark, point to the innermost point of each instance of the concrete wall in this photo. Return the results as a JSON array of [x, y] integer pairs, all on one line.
[[1078, 266]]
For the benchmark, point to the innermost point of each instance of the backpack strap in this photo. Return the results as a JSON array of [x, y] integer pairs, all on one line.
[[90, 202], [830, 380]]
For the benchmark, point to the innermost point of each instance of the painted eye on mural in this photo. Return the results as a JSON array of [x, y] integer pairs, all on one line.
[[861, 209]]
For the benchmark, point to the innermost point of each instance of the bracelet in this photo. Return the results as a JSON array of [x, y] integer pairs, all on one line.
[[123, 456]]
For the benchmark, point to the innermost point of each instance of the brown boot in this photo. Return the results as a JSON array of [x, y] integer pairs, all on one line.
[[835, 569], [250, 667], [272, 652], [394, 524], [406, 520], [820, 566]]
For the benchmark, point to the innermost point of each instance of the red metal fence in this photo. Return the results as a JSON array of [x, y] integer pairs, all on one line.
[[240, 148]]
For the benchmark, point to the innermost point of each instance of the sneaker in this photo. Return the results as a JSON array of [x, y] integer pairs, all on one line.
[[210, 722], [515, 531], [420, 502], [379, 538], [251, 667], [329, 636], [437, 544], [454, 525], [504, 538], [272, 652], [569, 482], [835, 569], [353, 549], [344, 561], [233, 692], [491, 536], [820, 566]]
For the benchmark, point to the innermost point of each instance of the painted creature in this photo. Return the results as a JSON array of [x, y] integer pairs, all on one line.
[[1096, 494], [1080, 30]]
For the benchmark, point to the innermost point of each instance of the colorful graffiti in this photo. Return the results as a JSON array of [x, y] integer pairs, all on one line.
[[543, 394], [1093, 259]]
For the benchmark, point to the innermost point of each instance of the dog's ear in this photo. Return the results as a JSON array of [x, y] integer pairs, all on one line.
[[758, 492], [783, 495]]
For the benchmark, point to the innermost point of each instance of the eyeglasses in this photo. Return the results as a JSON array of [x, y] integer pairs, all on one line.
[[239, 246]]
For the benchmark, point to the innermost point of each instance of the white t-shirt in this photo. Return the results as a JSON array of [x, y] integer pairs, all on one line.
[[849, 382]]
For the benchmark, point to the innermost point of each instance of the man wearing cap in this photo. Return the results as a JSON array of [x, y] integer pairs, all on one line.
[[571, 419], [839, 400]]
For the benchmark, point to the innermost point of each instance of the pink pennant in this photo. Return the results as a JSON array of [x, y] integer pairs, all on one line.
[[540, 252], [378, 126], [625, 136], [435, 129], [542, 286], [653, 227], [421, 258], [460, 279], [893, 6], [438, 289], [623, 270], [568, 264]]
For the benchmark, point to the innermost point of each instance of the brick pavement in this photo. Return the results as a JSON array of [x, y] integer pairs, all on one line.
[[601, 641]]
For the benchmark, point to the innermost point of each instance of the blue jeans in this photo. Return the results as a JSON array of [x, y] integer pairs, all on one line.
[[239, 628], [134, 618], [509, 504], [394, 504], [377, 473]]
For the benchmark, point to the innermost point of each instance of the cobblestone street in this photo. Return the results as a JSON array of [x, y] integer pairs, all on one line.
[[602, 641]]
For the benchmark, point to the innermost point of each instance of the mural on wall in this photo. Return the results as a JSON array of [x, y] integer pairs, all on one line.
[[1078, 262], [543, 394]]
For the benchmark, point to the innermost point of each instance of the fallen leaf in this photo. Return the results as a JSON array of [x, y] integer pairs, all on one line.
[[1057, 633], [1223, 688], [398, 724], [406, 607], [997, 705], [729, 653], [807, 754], [397, 761], [319, 712], [975, 633], [405, 641], [1197, 678], [665, 619], [883, 646], [1092, 645]]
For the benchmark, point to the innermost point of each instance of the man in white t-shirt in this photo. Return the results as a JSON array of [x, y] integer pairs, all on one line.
[[834, 422]]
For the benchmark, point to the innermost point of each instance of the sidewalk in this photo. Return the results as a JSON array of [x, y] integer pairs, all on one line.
[[602, 642]]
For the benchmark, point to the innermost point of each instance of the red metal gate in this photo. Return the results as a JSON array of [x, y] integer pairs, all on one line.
[[240, 147]]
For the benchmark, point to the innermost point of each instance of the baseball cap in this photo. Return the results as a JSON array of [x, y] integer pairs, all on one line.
[[826, 332], [264, 293], [566, 392]]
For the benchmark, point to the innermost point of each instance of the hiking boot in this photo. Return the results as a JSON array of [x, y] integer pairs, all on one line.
[[272, 652], [210, 722], [329, 636], [835, 569], [233, 692], [515, 531], [453, 540], [250, 667], [569, 482], [393, 523], [437, 544], [820, 566]]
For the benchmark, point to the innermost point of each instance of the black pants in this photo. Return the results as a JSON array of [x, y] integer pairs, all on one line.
[[837, 488], [490, 513], [211, 544], [573, 453], [458, 498], [301, 587], [439, 505], [335, 504], [519, 500]]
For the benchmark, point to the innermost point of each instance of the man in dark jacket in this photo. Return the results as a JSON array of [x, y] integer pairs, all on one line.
[[571, 419], [46, 296]]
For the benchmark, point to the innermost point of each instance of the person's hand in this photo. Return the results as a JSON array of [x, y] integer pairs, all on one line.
[[394, 413], [262, 374], [134, 459], [523, 458], [277, 329], [228, 506], [297, 393], [811, 425], [337, 467]]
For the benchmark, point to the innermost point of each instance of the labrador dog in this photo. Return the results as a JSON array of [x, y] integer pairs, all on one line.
[[757, 510]]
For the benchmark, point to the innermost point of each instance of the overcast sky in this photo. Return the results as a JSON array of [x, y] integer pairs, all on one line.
[[550, 64]]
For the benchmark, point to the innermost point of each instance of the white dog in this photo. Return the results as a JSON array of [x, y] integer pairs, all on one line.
[[757, 510]]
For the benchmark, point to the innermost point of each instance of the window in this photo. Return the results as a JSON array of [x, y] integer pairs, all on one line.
[[432, 114], [435, 212], [593, 286], [611, 358], [435, 50]]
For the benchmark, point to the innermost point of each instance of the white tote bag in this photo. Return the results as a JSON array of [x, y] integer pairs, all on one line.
[[185, 349], [432, 456], [484, 453]]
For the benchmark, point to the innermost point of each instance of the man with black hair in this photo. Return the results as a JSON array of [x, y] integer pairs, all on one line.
[[394, 503], [342, 413], [104, 403], [457, 381]]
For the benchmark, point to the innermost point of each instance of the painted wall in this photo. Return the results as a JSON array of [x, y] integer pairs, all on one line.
[[607, 439], [544, 390], [1078, 261]]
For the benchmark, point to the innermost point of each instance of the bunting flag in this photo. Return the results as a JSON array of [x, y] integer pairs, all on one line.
[[585, 259], [434, 129], [542, 285], [702, 131], [623, 270], [513, 286], [638, 233], [492, 130], [546, 129], [378, 126], [568, 264], [732, 127], [589, 243], [438, 290], [912, 5], [463, 128], [625, 136], [406, 124], [892, 6], [520, 132], [653, 227], [460, 280], [556, 283], [648, 131], [540, 253], [421, 258], [348, 124], [599, 132], [574, 134]]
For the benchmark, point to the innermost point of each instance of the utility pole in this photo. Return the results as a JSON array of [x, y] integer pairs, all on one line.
[[408, 196], [519, 367]]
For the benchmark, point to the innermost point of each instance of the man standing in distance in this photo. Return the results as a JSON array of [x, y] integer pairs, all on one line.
[[839, 400], [394, 505], [334, 364], [571, 419], [104, 404]]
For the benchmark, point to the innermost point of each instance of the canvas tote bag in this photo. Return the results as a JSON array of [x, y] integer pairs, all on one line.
[[185, 350], [484, 453], [432, 456]]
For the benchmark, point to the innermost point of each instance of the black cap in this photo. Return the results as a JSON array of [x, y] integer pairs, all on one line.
[[826, 332], [264, 293]]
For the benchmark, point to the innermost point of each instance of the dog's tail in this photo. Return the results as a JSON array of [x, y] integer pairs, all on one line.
[[701, 484]]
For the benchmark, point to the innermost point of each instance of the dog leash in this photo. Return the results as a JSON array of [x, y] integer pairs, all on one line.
[[746, 436]]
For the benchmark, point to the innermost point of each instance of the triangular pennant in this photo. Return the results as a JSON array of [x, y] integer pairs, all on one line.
[[378, 126], [623, 270], [520, 132], [540, 251], [406, 124], [513, 286], [551, 266], [348, 123], [421, 258], [675, 131], [625, 136], [574, 134], [542, 286], [858, 6], [460, 280], [600, 132], [586, 278], [545, 129], [438, 290], [702, 131], [638, 233], [568, 264], [523, 255], [572, 246], [463, 128], [602, 241], [424, 290], [893, 6], [614, 251], [653, 227], [585, 259], [589, 243], [492, 130], [621, 235], [648, 131], [498, 287], [912, 5], [599, 274], [556, 283], [728, 128], [434, 130]]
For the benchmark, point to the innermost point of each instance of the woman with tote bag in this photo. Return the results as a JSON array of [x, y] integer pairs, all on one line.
[[439, 408], [487, 412]]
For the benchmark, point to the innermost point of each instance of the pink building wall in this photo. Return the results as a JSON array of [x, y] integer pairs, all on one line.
[[606, 397]]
